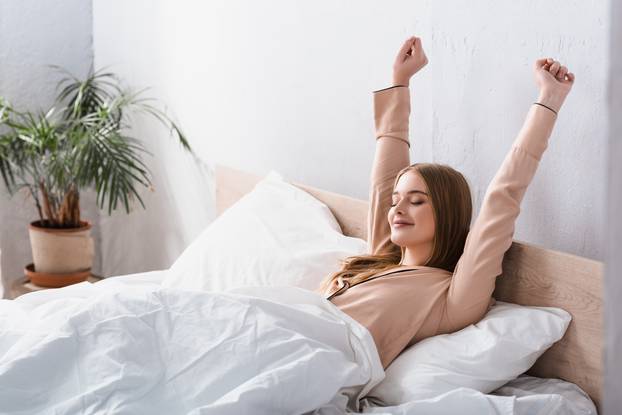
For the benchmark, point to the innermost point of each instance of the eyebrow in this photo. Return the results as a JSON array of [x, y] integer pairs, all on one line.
[[411, 191]]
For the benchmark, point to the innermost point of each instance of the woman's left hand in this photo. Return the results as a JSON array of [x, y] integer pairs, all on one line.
[[554, 80]]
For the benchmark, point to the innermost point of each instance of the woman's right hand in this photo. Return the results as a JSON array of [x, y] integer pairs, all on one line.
[[410, 59]]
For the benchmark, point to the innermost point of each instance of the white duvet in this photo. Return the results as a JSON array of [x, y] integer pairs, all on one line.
[[123, 347]]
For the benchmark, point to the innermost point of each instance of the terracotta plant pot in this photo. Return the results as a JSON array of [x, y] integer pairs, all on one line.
[[61, 251], [55, 280]]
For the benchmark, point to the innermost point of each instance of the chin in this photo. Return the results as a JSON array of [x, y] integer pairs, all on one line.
[[398, 242]]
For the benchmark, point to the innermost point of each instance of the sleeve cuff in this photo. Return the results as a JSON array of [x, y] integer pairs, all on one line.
[[535, 135], [394, 86], [391, 113]]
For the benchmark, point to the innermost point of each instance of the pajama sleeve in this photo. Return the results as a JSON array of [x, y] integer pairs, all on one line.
[[491, 235], [391, 113]]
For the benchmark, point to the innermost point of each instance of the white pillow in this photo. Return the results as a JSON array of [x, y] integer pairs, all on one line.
[[482, 356], [277, 234]]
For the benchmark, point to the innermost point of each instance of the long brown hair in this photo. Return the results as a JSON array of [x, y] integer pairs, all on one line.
[[450, 195]]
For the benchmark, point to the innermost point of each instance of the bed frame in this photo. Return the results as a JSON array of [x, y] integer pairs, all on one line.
[[532, 275]]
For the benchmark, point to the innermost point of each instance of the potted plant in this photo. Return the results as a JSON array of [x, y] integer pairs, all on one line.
[[81, 142]]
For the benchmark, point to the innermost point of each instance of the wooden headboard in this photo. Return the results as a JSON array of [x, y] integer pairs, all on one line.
[[532, 275]]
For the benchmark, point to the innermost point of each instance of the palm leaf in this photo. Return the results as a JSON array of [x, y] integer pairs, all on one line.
[[81, 141]]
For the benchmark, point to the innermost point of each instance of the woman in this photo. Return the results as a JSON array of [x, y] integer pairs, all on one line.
[[427, 273]]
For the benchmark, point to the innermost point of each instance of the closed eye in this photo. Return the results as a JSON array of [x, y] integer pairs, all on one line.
[[412, 203]]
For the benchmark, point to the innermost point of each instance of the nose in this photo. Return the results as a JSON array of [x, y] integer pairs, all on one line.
[[399, 207]]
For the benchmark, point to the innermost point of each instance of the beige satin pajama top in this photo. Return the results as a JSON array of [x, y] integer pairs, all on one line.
[[402, 308]]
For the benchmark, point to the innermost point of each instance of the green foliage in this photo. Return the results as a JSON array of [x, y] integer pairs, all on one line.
[[80, 142]]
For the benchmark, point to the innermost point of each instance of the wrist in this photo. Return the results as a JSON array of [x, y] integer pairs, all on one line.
[[400, 81], [551, 99]]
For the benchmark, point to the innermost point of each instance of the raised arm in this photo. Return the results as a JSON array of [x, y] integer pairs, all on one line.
[[391, 113], [391, 118], [473, 280]]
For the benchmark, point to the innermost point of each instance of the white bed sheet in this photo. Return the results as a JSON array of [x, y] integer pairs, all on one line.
[[127, 345], [526, 395]]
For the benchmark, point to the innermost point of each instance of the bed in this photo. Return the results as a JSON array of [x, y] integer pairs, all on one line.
[[563, 280], [154, 343]]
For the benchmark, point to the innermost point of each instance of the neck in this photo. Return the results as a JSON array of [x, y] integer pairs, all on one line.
[[417, 255]]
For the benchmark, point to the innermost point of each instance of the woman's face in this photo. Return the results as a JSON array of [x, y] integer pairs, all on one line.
[[411, 204]]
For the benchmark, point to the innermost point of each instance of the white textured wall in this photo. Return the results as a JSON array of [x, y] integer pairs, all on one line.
[[287, 85], [612, 404], [131, 38], [34, 34]]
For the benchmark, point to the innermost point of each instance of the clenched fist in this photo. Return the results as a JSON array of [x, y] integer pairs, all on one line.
[[409, 60], [554, 81]]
